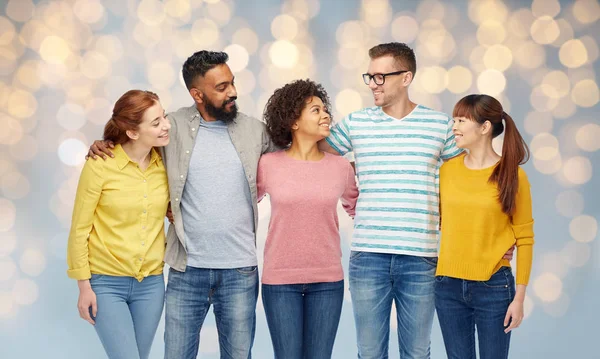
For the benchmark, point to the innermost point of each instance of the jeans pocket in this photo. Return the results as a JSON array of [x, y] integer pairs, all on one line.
[[432, 261], [440, 278], [355, 255], [247, 270], [500, 279]]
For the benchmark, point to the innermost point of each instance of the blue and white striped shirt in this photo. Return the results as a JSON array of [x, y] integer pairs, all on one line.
[[397, 163]]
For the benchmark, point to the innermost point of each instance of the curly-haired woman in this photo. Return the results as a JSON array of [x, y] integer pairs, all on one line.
[[303, 280]]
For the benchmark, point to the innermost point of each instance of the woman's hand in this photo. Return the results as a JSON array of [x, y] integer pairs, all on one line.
[[87, 299], [514, 315]]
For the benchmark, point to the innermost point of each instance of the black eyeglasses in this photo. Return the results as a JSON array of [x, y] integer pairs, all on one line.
[[380, 78]]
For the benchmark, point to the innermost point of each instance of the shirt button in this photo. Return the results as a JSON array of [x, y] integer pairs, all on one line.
[[143, 243], [144, 211], [181, 176], [141, 259], [176, 199], [143, 227], [193, 129], [144, 181], [145, 195], [187, 152]]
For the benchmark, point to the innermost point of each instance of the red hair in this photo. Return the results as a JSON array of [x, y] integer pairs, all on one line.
[[128, 114], [481, 108]]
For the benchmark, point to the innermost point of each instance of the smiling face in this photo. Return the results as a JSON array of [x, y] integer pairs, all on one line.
[[468, 133], [153, 131], [394, 86], [314, 120], [217, 93]]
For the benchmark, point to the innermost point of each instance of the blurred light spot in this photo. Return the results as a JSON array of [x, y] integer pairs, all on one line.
[[583, 228], [352, 34], [88, 11], [549, 8], [528, 306], [114, 87], [348, 100], [110, 46], [12, 130], [540, 101], [305, 56], [72, 152], [220, 12], [58, 245], [238, 57], [491, 82], [71, 116], [205, 32], [433, 79], [8, 269], [405, 29], [24, 150], [548, 287], [161, 75], [377, 13], [20, 10], [459, 79], [588, 137], [284, 27], [178, 8], [544, 30], [14, 185], [431, 9], [566, 32], [491, 33], [33, 262], [245, 82], [8, 214], [95, 65], [530, 55], [559, 307], [538, 122], [519, 23], [480, 11], [497, 57], [247, 38], [576, 254], [27, 75], [556, 84], [578, 170], [553, 262], [54, 50], [7, 31], [565, 108], [21, 104], [585, 93], [548, 167], [147, 35], [25, 292], [283, 54], [51, 75], [151, 12], [437, 41], [352, 58], [7, 305], [569, 203], [573, 53], [586, 11], [544, 146], [591, 47]]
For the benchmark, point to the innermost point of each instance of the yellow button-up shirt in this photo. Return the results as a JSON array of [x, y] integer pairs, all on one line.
[[118, 218]]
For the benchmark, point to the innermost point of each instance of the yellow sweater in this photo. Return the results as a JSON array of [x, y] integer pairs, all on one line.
[[475, 231]]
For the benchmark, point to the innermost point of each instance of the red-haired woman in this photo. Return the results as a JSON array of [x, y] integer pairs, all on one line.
[[485, 204], [117, 241]]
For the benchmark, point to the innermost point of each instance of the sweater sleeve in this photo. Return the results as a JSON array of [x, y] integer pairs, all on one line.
[[261, 184], [522, 226], [350, 194], [88, 194]]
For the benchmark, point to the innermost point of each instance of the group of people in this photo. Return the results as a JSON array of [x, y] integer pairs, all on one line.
[[421, 173]]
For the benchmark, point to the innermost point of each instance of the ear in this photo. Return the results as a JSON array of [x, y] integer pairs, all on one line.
[[408, 77], [486, 127], [295, 126], [197, 95], [132, 135]]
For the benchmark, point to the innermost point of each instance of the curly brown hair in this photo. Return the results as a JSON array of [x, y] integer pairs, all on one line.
[[284, 107]]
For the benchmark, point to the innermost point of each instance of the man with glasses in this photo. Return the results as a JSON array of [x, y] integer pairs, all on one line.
[[398, 147]]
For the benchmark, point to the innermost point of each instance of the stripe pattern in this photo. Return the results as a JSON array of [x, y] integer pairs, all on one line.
[[397, 163]]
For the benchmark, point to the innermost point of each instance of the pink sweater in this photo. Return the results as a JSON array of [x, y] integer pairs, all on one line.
[[303, 242]]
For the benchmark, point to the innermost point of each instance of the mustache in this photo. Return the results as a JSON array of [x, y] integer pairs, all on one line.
[[230, 100]]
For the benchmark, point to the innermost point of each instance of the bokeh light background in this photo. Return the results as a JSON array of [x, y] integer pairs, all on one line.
[[64, 63]]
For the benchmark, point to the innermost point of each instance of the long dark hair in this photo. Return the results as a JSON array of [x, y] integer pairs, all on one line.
[[481, 108], [127, 114]]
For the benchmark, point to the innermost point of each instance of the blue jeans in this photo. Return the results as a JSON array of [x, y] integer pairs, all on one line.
[[303, 318], [128, 313], [463, 305], [377, 279], [233, 294]]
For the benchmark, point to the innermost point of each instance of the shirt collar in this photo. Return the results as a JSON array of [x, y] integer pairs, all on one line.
[[122, 158]]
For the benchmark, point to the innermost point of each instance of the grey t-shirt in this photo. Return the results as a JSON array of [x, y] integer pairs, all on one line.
[[216, 204]]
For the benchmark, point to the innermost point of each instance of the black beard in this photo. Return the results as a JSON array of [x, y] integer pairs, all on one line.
[[220, 113]]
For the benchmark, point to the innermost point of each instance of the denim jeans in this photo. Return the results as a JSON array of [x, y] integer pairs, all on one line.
[[128, 313], [233, 294], [463, 305], [377, 279], [303, 318]]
